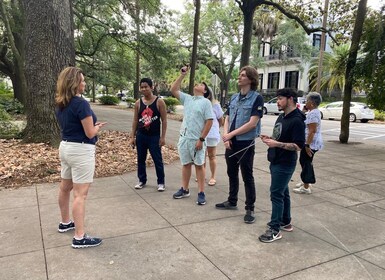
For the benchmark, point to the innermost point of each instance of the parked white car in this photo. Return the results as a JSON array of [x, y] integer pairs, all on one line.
[[358, 111], [271, 107]]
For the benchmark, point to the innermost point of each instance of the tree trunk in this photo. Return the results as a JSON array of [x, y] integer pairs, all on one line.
[[248, 8], [357, 32], [195, 46], [49, 48], [19, 85], [137, 56], [15, 71]]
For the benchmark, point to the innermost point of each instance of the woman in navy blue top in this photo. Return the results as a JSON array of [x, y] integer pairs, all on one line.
[[79, 129]]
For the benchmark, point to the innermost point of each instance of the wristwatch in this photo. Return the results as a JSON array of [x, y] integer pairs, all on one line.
[[307, 145], [201, 139]]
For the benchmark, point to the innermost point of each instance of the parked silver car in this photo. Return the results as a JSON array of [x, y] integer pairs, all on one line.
[[271, 107], [358, 111]]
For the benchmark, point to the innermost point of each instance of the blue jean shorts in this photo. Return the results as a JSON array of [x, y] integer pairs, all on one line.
[[188, 154]]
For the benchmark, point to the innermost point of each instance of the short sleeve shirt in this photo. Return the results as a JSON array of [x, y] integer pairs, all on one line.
[[197, 110], [70, 120], [314, 116], [217, 114]]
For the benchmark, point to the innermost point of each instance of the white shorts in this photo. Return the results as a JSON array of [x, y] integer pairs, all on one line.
[[77, 161], [212, 142], [188, 154]]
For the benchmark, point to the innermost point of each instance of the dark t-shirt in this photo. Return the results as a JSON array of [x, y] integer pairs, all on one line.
[[288, 129], [70, 121]]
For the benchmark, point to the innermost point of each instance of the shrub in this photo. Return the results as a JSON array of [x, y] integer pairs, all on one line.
[[11, 105], [109, 100], [130, 102], [379, 115], [4, 115], [171, 102], [9, 130]]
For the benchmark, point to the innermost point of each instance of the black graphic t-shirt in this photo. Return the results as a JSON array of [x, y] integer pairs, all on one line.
[[149, 118]]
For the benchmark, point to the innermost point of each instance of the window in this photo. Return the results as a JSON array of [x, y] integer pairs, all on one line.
[[317, 41], [273, 80], [291, 79], [260, 81]]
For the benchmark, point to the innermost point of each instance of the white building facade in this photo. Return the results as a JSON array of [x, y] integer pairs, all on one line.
[[283, 68]]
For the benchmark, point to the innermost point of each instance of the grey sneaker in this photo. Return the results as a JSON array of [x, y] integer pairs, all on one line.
[[161, 187], [181, 193], [249, 217], [201, 198], [302, 190], [140, 185]]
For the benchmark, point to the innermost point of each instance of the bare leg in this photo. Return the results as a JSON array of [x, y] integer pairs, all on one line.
[[78, 207], [186, 175], [212, 151], [64, 199], [200, 171], [306, 186]]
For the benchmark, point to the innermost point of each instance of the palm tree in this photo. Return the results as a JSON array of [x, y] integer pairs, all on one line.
[[334, 68]]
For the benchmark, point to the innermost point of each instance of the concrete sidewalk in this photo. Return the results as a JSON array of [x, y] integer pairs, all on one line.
[[338, 230]]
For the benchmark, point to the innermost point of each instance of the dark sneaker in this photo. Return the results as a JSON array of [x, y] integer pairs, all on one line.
[[270, 236], [201, 198], [86, 241], [226, 206], [66, 227], [140, 185], [287, 227], [249, 217], [181, 193]]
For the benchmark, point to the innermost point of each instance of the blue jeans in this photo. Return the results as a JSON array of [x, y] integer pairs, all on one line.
[[279, 194], [150, 143]]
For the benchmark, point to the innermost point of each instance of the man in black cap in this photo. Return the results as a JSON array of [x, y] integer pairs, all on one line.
[[288, 138]]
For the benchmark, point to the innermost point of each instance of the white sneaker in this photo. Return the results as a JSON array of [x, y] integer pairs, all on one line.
[[139, 185], [161, 187], [302, 190], [299, 185]]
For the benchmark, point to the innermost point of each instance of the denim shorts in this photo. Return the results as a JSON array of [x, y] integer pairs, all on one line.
[[188, 154], [77, 162]]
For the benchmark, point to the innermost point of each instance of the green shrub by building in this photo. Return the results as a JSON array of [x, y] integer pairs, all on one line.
[[109, 100]]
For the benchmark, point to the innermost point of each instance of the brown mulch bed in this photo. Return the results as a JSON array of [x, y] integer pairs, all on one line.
[[28, 164]]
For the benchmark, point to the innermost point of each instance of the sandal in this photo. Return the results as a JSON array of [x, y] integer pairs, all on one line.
[[212, 182]]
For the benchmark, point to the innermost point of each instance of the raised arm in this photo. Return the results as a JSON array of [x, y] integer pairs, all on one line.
[[175, 87]]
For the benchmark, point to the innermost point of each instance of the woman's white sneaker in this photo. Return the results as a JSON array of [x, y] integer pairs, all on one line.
[[302, 190]]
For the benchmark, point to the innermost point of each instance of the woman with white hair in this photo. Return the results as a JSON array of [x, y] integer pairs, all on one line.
[[313, 143]]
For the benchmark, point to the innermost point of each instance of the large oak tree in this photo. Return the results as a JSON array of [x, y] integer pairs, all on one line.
[[49, 47]]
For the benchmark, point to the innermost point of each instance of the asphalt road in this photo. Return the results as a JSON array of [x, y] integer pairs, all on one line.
[[121, 120], [359, 132]]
